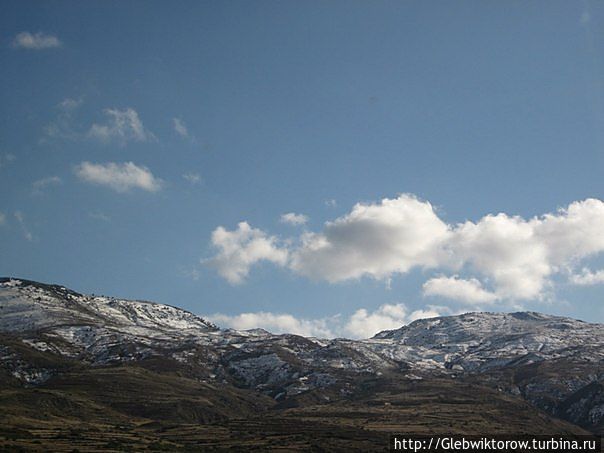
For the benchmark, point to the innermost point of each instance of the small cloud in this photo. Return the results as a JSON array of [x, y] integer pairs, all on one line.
[[180, 127], [35, 41], [121, 126], [70, 104], [58, 129], [24, 229], [6, 159], [193, 273], [192, 178], [61, 127], [587, 277], [41, 185], [585, 17], [2, 219], [364, 324], [467, 291], [331, 203], [240, 249], [121, 177], [97, 215], [294, 219]]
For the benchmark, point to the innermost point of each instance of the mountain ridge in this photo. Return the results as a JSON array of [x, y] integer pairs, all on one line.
[[53, 339], [390, 333]]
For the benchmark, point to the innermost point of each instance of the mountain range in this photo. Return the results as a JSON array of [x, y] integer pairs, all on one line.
[[91, 372]]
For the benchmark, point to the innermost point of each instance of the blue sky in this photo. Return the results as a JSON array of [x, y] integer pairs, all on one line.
[[131, 132]]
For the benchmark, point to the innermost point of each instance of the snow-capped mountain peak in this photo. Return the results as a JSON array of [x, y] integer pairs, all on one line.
[[28, 305]]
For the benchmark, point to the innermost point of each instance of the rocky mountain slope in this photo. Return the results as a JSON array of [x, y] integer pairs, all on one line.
[[479, 341], [55, 340]]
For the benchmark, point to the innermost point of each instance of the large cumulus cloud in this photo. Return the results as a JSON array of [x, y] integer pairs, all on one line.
[[499, 256], [375, 240]]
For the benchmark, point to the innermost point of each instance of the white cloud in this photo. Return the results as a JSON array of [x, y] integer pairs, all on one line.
[[180, 127], [361, 324], [431, 311], [364, 324], [238, 250], [375, 240], [468, 291], [70, 104], [2, 218], [42, 184], [520, 256], [516, 257], [192, 178], [121, 126], [292, 218], [98, 215], [587, 277], [24, 229], [331, 203], [120, 177], [505, 249], [35, 41]]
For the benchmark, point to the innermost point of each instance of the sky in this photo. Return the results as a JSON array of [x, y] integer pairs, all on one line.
[[322, 168]]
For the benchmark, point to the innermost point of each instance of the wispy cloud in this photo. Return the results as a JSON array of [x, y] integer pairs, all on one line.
[[294, 219], [39, 186], [62, 127], [192, 273], [121, 177], [98, 215], [24, 229], [121, 126], [35, 41], [6, 159], [69, 104], [2, 218], [192, 178], [180, 128]]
